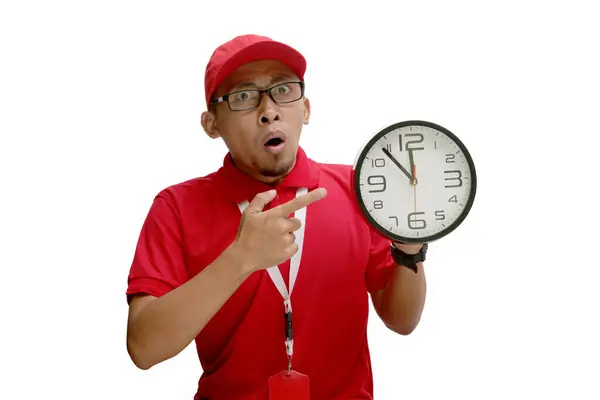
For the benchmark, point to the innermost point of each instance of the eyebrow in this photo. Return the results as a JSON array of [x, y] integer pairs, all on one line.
[[275, 80]]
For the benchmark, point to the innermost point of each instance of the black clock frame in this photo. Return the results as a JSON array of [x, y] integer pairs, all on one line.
[[356, 170]]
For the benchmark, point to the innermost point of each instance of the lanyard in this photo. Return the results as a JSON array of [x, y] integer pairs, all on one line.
[[277, 279]]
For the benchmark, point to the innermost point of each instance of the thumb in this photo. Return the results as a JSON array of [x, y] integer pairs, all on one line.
[[260, 201]]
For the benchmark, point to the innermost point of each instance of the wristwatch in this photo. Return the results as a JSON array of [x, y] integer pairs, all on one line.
[[409, 261]]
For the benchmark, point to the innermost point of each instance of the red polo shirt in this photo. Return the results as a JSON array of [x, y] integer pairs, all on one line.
[[189, 224]]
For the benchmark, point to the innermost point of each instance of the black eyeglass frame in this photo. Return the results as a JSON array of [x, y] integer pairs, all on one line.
[[261, 92]]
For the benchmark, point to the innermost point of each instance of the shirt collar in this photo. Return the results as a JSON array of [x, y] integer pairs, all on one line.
[[238, 186]]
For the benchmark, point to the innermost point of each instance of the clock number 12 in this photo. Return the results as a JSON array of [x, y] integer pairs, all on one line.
[[410, 139]]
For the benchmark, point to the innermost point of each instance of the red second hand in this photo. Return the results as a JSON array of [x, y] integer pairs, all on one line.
[[415, 185]]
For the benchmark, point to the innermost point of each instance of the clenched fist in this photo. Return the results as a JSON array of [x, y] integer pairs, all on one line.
[[266, 238]]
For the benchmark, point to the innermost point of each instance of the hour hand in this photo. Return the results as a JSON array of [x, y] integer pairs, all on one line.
[[387, 153]]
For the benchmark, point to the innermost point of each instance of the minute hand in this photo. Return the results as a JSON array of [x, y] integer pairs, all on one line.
[[387, 153], [412, 167]]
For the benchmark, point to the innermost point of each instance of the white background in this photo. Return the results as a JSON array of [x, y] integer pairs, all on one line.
[[99, 109]]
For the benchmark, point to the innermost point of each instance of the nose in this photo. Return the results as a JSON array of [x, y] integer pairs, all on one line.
[[268, 111]]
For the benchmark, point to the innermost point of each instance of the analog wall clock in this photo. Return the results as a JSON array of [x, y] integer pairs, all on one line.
[[415, 181]]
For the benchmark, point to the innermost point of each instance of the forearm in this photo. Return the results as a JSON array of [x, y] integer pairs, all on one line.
[[403, 299], [167, 325]]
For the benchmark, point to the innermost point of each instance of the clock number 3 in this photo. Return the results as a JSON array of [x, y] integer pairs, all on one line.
[[457, 178]]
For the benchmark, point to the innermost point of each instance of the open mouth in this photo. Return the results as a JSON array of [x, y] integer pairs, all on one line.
[[274, 142]]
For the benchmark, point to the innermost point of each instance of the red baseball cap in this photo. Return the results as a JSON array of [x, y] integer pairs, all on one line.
[[245, 49]]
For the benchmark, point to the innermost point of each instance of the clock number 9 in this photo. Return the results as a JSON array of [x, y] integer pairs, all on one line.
[[377, 180]]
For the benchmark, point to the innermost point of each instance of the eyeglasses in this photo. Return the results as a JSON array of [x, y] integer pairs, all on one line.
[[282, 93]]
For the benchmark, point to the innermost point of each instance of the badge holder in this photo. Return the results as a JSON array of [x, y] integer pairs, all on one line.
[[289, 384]]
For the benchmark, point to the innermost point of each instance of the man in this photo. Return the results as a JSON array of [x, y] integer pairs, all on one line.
[[228, 258]]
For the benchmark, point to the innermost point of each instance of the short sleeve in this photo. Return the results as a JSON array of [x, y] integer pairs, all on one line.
[[380, 265], [158, 264]]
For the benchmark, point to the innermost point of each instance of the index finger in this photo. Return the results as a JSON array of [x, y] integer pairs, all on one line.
[[300, 202]]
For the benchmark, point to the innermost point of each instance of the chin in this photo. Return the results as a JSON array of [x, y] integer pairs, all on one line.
[[280, 169], [279, 166]]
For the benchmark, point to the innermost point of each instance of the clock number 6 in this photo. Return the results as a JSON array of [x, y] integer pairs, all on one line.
[[416, 223]]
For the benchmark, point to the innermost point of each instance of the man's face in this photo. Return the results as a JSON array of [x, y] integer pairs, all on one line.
[[246, 133]]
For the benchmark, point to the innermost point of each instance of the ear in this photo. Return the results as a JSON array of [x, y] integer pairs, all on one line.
[[306, 111], [208, 120]]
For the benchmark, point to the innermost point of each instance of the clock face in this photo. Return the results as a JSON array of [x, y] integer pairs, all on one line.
[[415, 181]]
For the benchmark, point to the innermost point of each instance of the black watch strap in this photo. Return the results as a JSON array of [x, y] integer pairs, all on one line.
[[409, 261]]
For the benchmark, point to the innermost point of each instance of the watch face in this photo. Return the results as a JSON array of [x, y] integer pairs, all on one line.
[[415, 181]]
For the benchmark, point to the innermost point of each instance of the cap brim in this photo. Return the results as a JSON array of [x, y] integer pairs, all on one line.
[[267, 50]]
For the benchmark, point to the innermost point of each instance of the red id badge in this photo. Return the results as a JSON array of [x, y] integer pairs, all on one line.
[[289, 386]]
